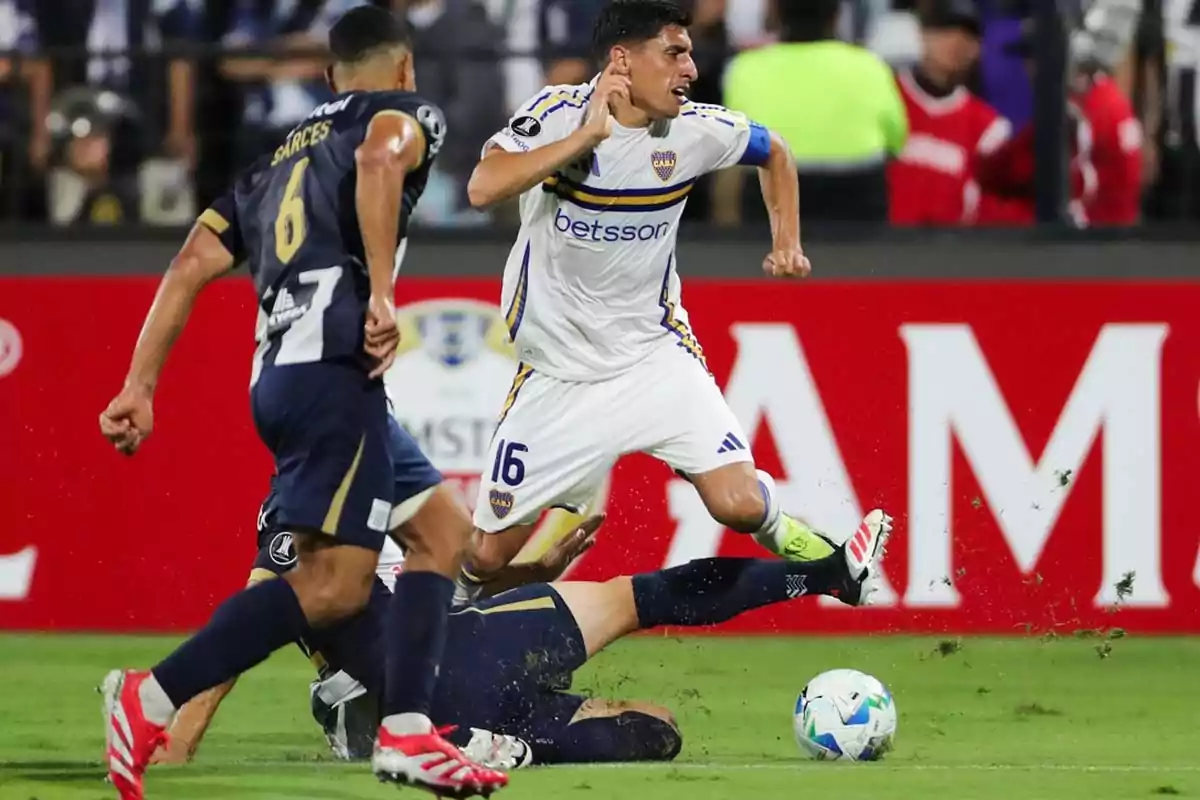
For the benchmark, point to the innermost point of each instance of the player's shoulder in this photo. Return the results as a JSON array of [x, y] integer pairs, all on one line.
[[708, 119], [411, 103], [558, 101]]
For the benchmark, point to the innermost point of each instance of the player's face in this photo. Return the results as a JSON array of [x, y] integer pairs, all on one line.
[[953, 51], [661, 72]]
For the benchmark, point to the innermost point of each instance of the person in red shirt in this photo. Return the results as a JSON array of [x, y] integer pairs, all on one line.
[[932, 182], [1106, 151]]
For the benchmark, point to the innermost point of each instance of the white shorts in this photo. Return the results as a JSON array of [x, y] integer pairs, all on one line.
[[557, 440]]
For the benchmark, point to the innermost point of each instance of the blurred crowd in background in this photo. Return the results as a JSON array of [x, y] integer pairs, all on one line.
[[918, 113]]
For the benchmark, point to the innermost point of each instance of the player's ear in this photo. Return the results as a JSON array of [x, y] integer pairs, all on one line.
[[619, 56], [329, 79]]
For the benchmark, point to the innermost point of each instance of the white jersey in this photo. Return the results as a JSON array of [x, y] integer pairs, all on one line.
[[590, 287]]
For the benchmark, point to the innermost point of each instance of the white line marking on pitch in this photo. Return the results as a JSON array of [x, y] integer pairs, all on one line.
[[1097, 768]]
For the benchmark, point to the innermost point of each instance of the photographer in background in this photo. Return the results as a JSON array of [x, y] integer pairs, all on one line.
[[83, 189]]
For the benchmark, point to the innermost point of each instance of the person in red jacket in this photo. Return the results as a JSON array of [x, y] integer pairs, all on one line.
[[932, 182], [1106, 153]]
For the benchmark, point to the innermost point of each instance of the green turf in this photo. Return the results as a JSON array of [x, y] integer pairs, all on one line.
[[991, 719]]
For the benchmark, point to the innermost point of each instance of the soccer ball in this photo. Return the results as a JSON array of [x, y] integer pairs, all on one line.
[[844, 714]]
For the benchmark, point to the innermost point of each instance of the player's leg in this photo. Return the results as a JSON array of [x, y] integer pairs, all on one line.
[[709, 591], [434, 528], [547, 451], [325, 425], [571, 729], [704, 442]]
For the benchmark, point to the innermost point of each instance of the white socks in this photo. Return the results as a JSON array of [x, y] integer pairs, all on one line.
[[774, 524], [155, 704], [407, 724]]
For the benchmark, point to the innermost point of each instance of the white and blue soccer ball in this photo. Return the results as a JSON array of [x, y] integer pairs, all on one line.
[[844, 714]]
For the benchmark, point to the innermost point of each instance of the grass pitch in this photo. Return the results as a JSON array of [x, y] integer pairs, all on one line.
[[1012, 719]]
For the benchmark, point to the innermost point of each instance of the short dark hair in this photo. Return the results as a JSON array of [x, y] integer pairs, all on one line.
[[808, 19], [363, 30], [635, 21]]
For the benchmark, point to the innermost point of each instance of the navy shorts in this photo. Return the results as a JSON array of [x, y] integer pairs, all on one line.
[[412, 471], [506, 662], [412, 474], [326, 424]]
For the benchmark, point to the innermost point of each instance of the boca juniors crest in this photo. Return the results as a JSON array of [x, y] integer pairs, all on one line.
[[663, 162]]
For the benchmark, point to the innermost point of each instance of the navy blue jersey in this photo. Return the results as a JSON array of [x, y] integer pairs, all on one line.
[[292, 216]]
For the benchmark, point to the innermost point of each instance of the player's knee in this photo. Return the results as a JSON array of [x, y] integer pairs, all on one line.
[[440, 531], [737, 505]]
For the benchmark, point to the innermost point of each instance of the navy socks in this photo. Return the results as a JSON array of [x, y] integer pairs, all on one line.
[[414, 637], [242, 632], [708, 591]]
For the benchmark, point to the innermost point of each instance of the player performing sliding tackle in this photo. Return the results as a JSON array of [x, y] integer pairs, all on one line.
[[608, 364], [509, 657]]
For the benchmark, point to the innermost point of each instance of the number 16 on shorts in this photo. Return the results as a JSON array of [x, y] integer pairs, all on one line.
[[508, 466]]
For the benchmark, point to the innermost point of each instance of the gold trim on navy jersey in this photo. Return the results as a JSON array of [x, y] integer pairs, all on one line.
[[333, 517], [597, 199], [213, 220], [258, 575], [536, 604]]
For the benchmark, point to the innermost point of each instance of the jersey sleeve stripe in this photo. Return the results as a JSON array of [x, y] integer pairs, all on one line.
[[533, 104], [557, 100], [624, 200], [686, 340], [420, 131], [516, 309], [720, 114], [212, 219]]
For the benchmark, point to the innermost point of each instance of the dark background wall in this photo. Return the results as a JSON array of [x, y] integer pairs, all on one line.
[[880, 256]]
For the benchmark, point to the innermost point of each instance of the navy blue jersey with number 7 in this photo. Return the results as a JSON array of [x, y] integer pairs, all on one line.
[[292, 216]]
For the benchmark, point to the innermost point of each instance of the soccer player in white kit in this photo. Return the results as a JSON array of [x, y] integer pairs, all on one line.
[[608, 363]]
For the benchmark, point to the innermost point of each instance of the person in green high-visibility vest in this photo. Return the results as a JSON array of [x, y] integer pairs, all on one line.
[[835, 104]]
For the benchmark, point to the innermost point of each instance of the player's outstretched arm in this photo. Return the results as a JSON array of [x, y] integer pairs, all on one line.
[[551, 566], [781, 194], [394, 145], [502, 174], [129, 418], [190, 725]]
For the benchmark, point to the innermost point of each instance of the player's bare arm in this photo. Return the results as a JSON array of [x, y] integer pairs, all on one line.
[[502, 175], [781, 194], [190, 724], [129, 418], [551, 566], [394, 146]]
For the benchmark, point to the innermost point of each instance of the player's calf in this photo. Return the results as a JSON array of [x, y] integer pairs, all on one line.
[[744, 499]]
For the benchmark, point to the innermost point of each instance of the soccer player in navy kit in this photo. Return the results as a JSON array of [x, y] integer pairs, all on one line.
[[319, 222]]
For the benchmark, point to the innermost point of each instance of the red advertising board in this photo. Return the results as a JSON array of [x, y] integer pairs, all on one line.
[[1036, 442]]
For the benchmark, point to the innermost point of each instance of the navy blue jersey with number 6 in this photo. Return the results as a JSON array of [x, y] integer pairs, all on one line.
[[292, 216]]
